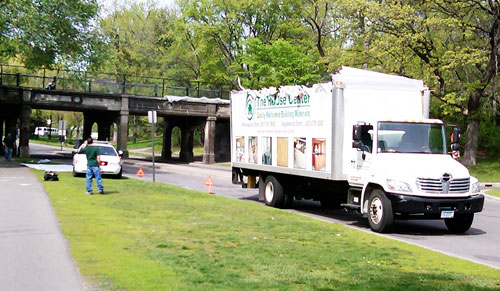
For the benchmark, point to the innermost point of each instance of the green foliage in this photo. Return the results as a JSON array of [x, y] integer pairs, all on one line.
[[489, 138], [137, 39], [236, 35], [48, 32], [280, 63], [144, 235]]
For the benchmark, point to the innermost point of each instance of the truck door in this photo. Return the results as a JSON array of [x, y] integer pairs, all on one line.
[[362, 157]]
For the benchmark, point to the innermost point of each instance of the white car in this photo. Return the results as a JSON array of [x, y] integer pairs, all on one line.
[[110, 164]]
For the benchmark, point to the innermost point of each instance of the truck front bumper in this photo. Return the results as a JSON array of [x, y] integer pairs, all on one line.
[[405, 206]]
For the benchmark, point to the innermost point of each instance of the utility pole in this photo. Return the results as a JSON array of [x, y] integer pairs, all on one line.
[[152, 118]]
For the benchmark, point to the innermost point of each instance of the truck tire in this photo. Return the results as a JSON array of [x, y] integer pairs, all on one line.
[[273, 192], [460, 223], [380, 215], [262, 187]]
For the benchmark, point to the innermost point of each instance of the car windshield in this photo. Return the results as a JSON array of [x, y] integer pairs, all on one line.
[[407, 137], [106, 151]]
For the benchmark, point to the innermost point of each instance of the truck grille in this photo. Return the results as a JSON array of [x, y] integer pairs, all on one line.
[[443, 186]]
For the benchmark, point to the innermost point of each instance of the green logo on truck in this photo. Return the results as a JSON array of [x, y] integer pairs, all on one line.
[[250, 107]]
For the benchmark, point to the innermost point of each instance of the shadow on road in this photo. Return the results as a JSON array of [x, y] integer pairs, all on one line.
[[10, 164], [401, 227]]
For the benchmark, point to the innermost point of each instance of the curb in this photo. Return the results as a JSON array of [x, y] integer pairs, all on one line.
[[491, 196], [490, 186]]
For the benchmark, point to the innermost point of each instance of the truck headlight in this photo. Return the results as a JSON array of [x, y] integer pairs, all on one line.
[[474, 187], [396, 185]]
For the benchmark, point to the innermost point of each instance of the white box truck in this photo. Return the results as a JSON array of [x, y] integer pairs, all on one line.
[[363, 141]]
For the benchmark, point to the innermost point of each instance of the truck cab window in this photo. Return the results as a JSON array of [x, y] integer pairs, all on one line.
[[408, 137]]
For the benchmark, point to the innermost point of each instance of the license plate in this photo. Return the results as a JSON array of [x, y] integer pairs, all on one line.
[[447, 214]]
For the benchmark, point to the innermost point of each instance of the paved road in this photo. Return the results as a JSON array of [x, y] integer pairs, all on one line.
[[480, 244], [33, 252]]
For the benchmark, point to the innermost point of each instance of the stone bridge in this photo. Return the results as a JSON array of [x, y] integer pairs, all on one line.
[[187, 113]]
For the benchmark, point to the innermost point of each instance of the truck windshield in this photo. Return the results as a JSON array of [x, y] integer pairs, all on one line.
[[407, 137]]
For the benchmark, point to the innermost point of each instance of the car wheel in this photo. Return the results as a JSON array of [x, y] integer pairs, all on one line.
[[119, 176], [380, 215], [74, 173], [273, 192], [460, 223]]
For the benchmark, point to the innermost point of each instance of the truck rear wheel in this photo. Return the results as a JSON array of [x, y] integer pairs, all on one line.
[[460, 223], [262, 187], [380, 214], [273, 192]]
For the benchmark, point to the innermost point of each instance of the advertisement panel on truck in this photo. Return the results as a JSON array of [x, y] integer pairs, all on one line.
[[289, 128]]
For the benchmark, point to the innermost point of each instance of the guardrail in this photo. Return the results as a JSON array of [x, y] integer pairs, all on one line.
[[96, 82]]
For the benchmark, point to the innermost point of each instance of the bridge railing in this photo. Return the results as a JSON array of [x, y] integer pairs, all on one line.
[[95, 82]]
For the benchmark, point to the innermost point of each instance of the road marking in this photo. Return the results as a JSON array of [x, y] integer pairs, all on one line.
[[25, 184]]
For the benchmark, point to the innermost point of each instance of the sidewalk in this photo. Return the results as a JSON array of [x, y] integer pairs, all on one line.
[[33, 252]]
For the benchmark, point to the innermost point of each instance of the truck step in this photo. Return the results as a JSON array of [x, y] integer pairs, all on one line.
[[351, 206]]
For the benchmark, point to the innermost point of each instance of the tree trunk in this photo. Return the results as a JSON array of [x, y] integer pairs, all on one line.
[[470, 151], [134, 130]]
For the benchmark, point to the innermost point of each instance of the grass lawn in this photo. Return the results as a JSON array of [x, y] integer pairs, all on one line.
[[144, 235], [145, 143], [486, 170], [54, 141], [224, 164], [147, 152], [493, 192]]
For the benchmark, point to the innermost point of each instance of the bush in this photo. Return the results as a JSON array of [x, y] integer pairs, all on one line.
[[489, 139]]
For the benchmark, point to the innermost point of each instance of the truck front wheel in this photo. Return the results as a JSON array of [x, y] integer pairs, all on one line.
[[273, 192], [380, 215], [460, 223]]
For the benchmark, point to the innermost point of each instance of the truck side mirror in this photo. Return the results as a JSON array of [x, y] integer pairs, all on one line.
[[455, 143], [455, 137]]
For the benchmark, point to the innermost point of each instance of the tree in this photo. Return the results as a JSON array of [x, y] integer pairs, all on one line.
[[136, 39], [224, 27], [453, 45], [326, 20], [46, 32], [280, 63]]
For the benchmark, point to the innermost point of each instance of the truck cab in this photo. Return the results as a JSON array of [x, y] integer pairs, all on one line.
[[404, 170]]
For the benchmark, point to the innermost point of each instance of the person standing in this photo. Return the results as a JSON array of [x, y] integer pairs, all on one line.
[[9, 144], [93, 170]]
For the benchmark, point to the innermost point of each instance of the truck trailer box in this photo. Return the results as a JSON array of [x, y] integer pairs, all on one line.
[[342, 142]]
